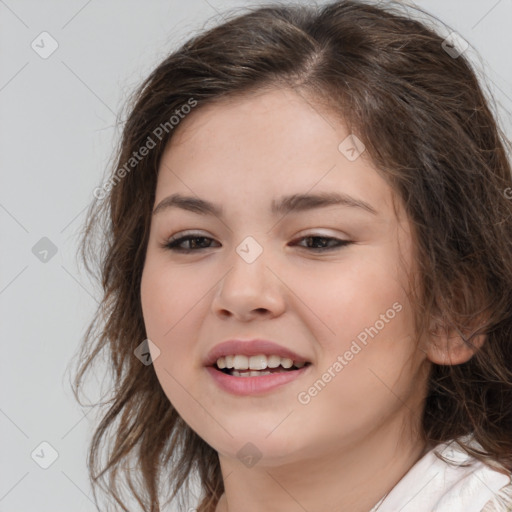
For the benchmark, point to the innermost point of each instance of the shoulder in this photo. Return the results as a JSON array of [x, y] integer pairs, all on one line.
[[494, 482], [500, 499], [448, 479], [501, 502], [478, 479]]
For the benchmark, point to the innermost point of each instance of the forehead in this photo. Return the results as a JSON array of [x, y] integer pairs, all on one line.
[[264, 144], [276, 117]]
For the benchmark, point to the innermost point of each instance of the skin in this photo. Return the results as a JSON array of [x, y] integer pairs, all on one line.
[[356, 438]]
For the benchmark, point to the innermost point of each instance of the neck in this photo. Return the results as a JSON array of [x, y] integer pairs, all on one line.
[[350, 478]]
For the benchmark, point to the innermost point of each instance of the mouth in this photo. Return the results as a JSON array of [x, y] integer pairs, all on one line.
[[243, 375], [254, 367], [244, 382], [286, 366]]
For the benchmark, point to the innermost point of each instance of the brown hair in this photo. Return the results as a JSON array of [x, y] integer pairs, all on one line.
[[427, 126]]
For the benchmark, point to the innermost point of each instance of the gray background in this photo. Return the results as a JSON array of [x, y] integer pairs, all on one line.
[[58, 120]]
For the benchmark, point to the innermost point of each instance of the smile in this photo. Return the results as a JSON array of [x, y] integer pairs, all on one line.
[[248, 381], [258, 365]]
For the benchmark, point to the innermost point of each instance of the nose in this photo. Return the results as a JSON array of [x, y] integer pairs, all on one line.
[[250, 290]]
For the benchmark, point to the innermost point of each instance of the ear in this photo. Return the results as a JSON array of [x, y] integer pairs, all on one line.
[[449, 346]]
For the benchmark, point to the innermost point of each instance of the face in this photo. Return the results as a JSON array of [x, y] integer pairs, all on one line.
[[327, 282]]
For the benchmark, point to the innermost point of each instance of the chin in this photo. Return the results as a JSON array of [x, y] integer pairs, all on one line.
[[269, 446]]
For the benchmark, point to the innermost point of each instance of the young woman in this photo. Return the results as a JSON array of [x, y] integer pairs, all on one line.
[[308, 234]]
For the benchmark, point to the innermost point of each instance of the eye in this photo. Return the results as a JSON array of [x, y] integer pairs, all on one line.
[[322, 246], [173, 244], [198, 242]]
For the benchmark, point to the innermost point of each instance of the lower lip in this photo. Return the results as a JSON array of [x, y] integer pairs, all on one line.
[[254, 385]]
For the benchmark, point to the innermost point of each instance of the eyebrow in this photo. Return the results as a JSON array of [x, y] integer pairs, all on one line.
[[282, 206]]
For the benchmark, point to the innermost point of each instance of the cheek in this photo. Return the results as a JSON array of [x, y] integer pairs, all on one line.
[[169, 309], [167, 295], [345, 299], [365, 317], [170, 305]]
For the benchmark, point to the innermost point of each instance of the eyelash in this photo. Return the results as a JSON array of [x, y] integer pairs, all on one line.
[[173, 244]]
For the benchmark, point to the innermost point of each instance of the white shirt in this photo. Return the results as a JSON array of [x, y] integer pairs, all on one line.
[[433, 485]]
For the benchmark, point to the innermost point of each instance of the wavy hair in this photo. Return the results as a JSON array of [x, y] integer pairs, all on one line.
[[428, 127]]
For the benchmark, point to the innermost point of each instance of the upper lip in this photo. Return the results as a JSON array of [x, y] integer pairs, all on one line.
[[250, 348]]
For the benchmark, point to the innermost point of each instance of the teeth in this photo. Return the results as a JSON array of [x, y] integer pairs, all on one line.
[[249, 374], [286, 363], [273, 361], [259, 362], [241, 362]]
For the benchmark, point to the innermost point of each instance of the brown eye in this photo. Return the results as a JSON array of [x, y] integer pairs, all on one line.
[[320, 243], [196, 242]]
